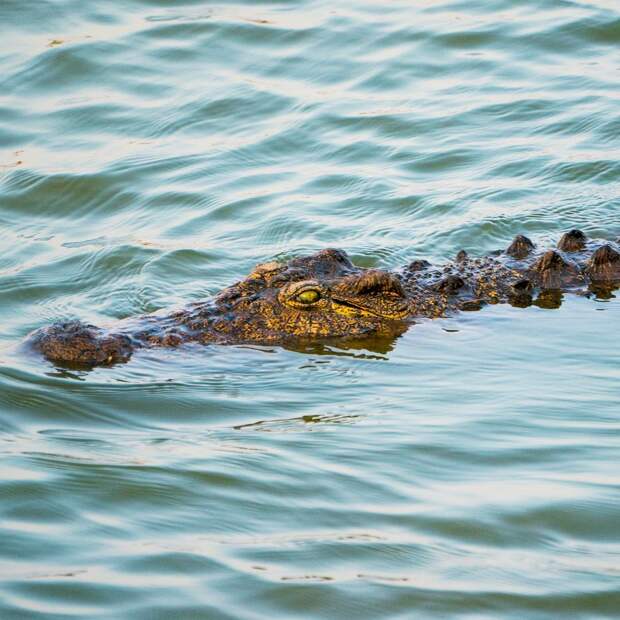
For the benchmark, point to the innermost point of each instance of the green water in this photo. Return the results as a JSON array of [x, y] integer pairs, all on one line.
[[151, 152]]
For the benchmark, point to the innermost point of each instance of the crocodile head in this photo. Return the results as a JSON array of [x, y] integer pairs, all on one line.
[[321, 296]]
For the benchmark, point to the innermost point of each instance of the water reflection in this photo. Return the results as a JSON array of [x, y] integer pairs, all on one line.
[[369, 347], [293, 424]]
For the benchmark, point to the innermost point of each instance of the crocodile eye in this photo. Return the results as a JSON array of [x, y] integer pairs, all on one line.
[[308, 297]]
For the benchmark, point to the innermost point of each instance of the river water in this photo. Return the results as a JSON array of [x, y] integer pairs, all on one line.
[[153, 151]]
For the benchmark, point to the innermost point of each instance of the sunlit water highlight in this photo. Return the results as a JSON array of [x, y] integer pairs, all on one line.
[[151, 152]]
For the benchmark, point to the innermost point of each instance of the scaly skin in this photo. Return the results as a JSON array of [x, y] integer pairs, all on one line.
[[325, 297]]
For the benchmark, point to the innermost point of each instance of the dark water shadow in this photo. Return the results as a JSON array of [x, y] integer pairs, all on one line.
[[369, 347]]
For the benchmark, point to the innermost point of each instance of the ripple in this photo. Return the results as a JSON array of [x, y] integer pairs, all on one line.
[[152, 152]]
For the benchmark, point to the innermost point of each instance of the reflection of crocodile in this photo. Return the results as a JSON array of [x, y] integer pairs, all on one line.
[[324, 296]]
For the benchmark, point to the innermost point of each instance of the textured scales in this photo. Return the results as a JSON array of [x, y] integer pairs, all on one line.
[[324, 297]]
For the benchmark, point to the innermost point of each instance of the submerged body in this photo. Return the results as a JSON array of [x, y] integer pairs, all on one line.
[[324, 297]]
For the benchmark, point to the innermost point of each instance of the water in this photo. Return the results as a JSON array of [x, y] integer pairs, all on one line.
[[151, 152]]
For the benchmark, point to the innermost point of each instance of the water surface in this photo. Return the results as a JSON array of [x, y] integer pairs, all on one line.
[[151, 152]]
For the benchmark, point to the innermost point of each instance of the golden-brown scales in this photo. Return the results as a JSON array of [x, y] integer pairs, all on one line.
[[324, 296], [319, 296]]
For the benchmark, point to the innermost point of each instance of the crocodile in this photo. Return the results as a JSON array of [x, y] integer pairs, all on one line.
[[324, 296]]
